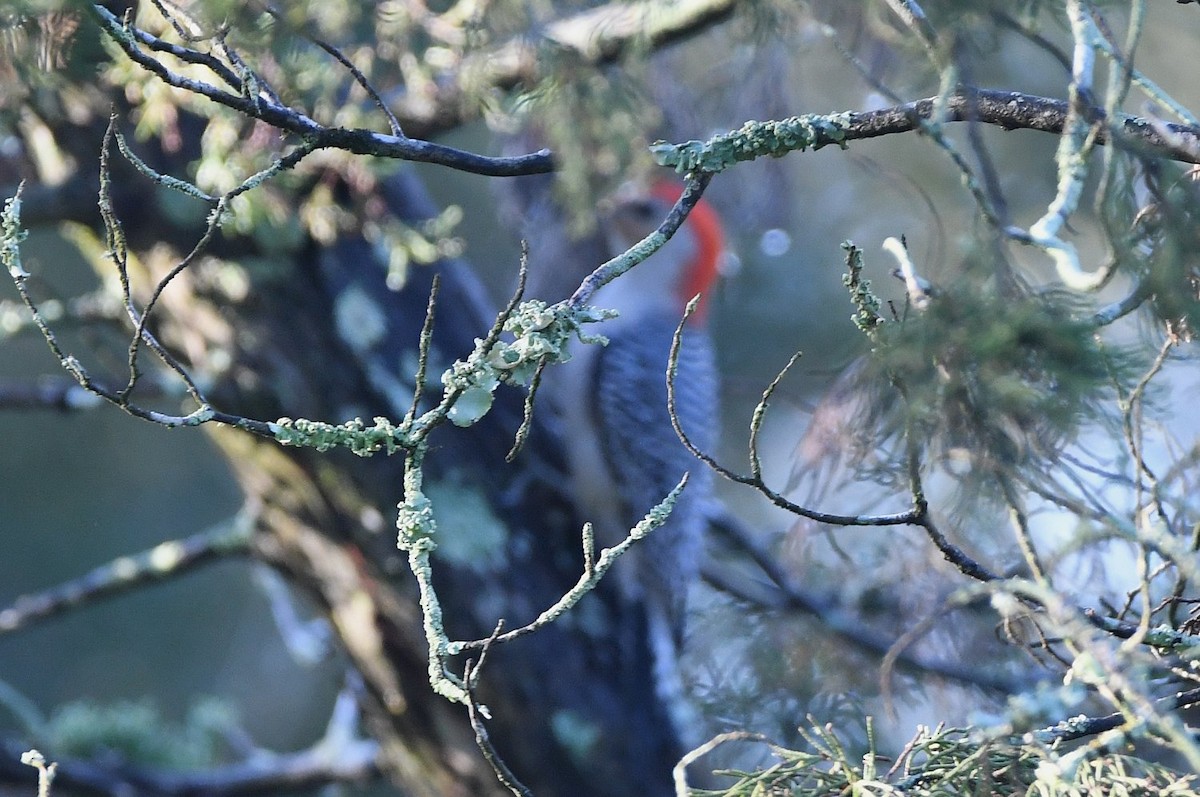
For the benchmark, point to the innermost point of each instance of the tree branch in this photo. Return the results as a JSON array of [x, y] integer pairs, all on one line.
[[1011, 110], [165, 560], [787, 596], [316, 135]]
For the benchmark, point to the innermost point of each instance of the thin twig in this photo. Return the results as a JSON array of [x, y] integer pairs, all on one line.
[[679, 773], [908, 517], [118, 252], [523, 430], [476, 713], [424, 345], [914, 17], [359, 77], [357, 141], [186, 54], [1024, 535], [594, 569]]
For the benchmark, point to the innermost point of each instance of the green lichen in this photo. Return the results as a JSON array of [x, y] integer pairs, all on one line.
[[754, 140], [11, 236], [355, 435], [415, 523], [471, 535], [541, 334], [867, 316]]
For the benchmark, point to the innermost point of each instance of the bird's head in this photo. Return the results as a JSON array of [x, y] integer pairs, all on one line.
[[687, 265]]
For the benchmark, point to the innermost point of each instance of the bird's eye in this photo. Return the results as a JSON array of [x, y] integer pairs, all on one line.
[[643, 210]]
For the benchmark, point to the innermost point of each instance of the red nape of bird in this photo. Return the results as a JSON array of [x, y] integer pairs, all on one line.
[[686, 266], [704, 225]]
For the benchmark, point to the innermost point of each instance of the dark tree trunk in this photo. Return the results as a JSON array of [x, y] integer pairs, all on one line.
[[574, 710]]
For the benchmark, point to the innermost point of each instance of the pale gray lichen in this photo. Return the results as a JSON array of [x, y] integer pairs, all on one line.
[[416, 527], [359, 319], [11, 236], [475, 381], [754, 140], [868, 309], [470, 535], [541, 334], [415, 524], [355, 435]]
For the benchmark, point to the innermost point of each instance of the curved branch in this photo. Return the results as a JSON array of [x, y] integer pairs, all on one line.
[[358, 141], [912, 517], [1011, 110]]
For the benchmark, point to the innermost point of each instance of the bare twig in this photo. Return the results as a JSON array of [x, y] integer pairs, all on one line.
[[424, 345], [187, 54], [478, 713], [117, 252], [1022, 532], [359, 77], [523, 430], [679, 773], [908, 517], [594, 569], [314, 134], [911, 13], [11, 256]]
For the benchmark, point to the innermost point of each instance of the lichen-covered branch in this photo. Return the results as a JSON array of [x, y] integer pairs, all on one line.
[[1009, 110], [594, 569]]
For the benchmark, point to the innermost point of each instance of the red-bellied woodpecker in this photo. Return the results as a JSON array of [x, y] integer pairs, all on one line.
[[623, 453]]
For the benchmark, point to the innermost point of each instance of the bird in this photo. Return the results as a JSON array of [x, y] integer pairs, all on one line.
[[622, 452]]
